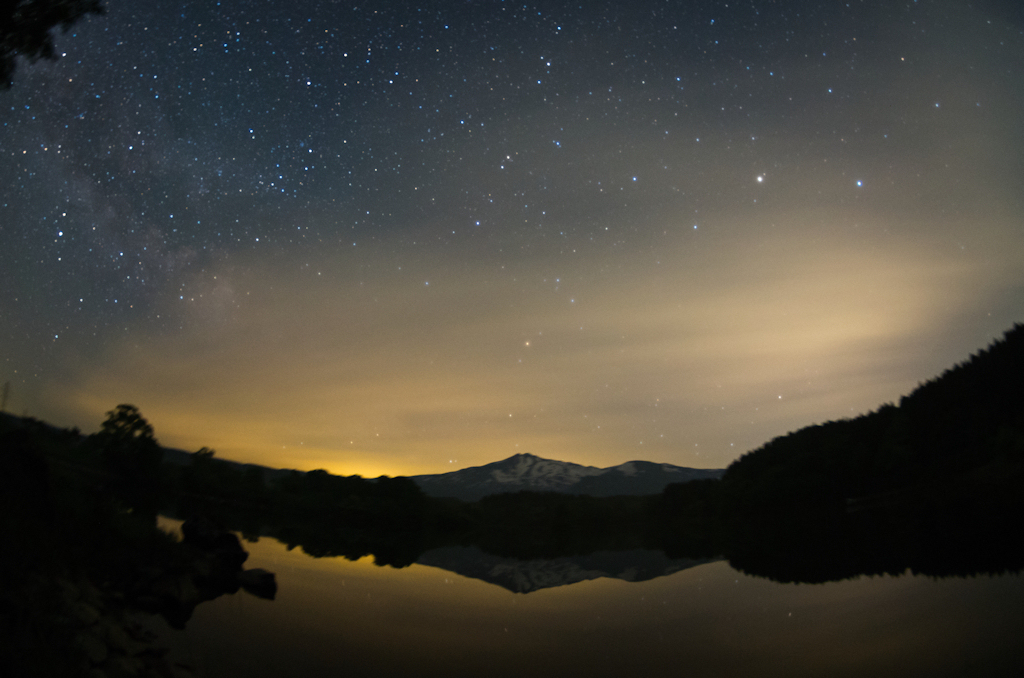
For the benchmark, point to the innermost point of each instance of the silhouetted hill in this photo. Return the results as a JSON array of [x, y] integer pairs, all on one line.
[[960, 434]]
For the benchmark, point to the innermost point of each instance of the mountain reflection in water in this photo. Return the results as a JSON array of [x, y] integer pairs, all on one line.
[[524, 576], [334, 616]]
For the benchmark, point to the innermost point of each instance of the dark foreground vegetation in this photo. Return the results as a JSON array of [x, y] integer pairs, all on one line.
[[932, 485], [85, 575]]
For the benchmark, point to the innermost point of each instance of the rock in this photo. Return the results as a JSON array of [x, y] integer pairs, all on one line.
[[68, 591], [92, 646], [202, 567], [208, 536], [174, 596], [125, 666], [138, 632], [188, 594], [91, 594], [182, 671], [229, 549], [219, 558], [119, 640], [83, 612], [258, 582]]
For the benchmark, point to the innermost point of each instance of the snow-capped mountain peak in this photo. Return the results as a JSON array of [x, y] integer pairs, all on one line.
[[527, 467], [529, 472]]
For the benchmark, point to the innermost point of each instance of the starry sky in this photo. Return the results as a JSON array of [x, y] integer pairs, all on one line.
[[399, 238]]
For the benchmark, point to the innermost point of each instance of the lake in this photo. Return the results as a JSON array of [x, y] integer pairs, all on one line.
[[334, 617]]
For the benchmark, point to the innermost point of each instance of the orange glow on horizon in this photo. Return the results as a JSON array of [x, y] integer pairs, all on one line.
[[691, 364]]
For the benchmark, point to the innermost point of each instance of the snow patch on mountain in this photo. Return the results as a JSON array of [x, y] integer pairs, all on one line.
[[627, 469], [528, 472], [544, 471]]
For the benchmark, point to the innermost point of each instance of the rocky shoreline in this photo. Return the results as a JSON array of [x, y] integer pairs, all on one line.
[[113, 640], [67, 621], [89, 584]]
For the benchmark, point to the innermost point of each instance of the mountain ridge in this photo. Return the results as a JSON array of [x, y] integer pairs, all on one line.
[[528, 472], [520, 472]]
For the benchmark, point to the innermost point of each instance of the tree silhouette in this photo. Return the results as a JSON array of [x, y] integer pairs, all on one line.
[[125, 424], [130, 451], [25, 29]]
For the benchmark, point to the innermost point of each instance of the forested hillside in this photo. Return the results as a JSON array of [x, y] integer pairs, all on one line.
[[962, 432]]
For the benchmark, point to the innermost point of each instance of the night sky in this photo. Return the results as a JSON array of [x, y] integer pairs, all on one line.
[[401, 238]]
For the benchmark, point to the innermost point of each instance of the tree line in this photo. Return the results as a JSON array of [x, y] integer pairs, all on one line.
[[932, 484]]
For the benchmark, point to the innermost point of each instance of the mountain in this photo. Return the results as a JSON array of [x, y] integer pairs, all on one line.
[[524, 576], [528, 472]]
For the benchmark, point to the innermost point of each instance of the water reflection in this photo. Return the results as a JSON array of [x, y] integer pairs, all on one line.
[[338, 617], [524, 576]]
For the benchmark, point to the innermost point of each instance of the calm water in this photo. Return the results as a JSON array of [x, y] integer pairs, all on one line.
[[334, 617]]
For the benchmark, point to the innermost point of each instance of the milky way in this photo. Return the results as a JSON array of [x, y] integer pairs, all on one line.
[[406, 238]]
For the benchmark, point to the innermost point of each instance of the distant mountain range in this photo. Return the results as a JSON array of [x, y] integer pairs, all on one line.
[[528, 472]]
